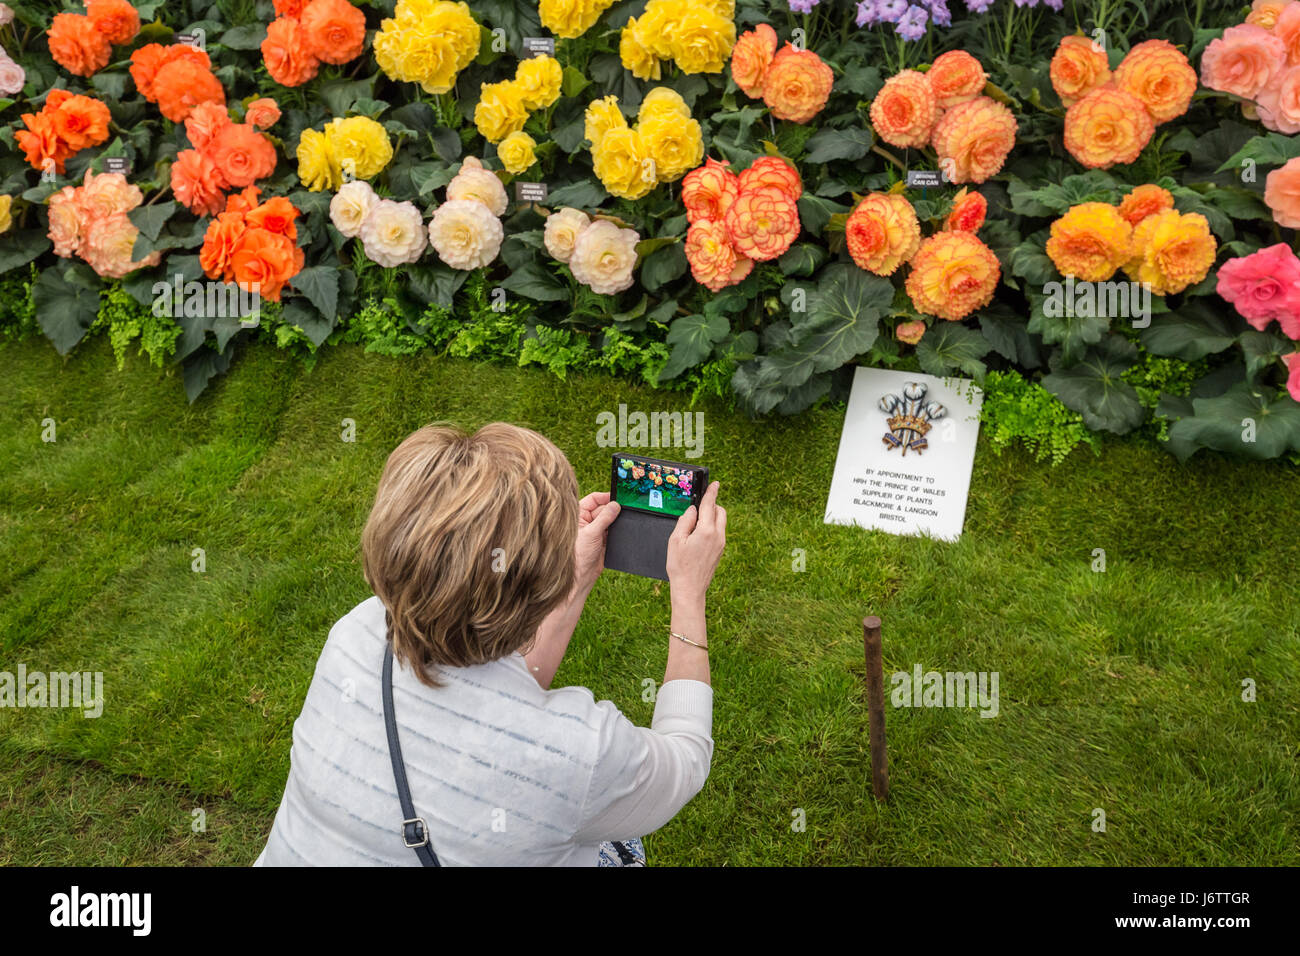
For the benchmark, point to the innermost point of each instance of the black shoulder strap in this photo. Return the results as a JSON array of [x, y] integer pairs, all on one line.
[[415, 832]]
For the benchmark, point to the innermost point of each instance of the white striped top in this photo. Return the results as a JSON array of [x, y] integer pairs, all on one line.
[[504, 772]]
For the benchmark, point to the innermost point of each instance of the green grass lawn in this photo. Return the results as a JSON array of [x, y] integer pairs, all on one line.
[[1119, 690]]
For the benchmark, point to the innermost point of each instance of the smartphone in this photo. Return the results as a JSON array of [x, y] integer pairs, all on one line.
[[656, 487]]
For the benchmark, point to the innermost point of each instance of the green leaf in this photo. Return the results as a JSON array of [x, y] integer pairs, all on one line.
[[1240, 203], [314, 325], [1073, 333], [150, 219], [1029, 260], [320, 284], [436, 284], [1056, 198], [42, 191], [728, 302], [815, 212], [573, 82], [692, 338], [426, 177], [249, 36], [1242, 421], [646, 246], [311, 202], [446, 143], [606, 71], [1008, 335], [744, 118], [829, 144], [581, 195], [950, 345], [364, 106], [1191, 333], [741, 347], [842, 322], [571, 135], [535, 281], [832, 188], [225, 329], [1187, 200], [1263, 350], [516, 253], [758, 385], [663, 266], [806, 395], [634, 313], [340, 95], [19, 247], [663, 312], [863, 80], [1211, 150], [66, 300], [691, 87], [802, 259], [201, 367], [1095, 390], [800, 298], [184, 235], [1272, 149], [189, 268], [111, 85], [417, 116]]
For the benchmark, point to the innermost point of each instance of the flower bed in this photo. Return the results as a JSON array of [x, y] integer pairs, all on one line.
[[1096, 202]]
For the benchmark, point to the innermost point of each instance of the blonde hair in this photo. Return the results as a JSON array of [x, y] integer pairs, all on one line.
[[470, 543]]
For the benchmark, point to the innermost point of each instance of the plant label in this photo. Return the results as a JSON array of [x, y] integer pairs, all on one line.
[[530, 192], [906, 454], [923, 178], [539, 46]]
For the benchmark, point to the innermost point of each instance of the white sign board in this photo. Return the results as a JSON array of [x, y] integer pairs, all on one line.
[[906, 453]]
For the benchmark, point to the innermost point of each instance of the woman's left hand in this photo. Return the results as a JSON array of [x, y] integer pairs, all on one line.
[[595, 514]]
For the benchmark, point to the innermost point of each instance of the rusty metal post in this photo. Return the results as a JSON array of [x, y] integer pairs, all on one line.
[[876, 706]]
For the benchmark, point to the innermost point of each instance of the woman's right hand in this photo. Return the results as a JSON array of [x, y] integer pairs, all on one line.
[[695, 547]]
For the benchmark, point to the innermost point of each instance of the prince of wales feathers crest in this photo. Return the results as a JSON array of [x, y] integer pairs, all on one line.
[[910, 418]]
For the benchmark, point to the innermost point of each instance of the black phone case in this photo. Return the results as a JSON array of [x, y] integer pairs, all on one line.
[[638, 541]]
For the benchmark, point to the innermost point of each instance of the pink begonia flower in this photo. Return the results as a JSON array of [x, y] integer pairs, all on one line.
[[1293, 380], [12, 76], [1264, 286], [1279, 102], [1242, 61]]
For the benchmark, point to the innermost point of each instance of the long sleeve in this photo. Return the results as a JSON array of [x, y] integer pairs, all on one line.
[[643, 776]]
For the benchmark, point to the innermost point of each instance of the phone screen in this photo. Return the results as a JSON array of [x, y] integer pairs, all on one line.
[[662, 488]]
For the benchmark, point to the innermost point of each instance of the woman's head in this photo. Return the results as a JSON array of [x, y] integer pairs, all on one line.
[[470, 543]]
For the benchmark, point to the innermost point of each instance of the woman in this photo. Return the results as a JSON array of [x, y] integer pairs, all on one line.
[[481, 558]]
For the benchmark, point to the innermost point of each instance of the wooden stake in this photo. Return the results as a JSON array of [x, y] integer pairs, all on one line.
[[876, 706]]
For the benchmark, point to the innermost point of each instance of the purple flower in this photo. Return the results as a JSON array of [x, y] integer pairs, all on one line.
[[912, 24], [868, 13], [891, 11], [939, 13], [803, 6], [1055, 4], [978, 6]]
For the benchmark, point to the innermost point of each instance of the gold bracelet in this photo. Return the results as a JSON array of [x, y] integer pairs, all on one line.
[[686, 640]]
